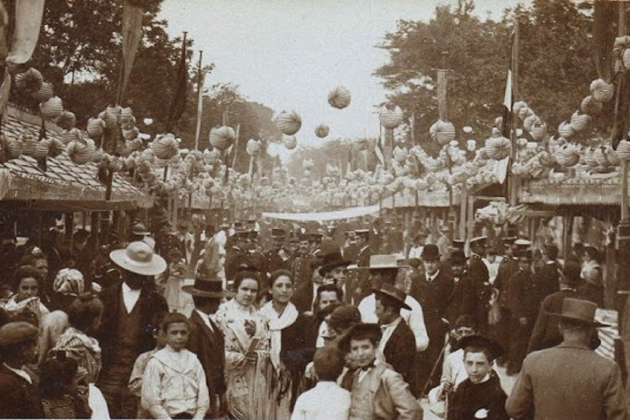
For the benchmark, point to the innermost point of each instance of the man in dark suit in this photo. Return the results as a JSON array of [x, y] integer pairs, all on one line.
[[480, 278], [434, 291], [206, 339], [398, 344], [363, 261], [301, 268], [236, 255], [507, 269], [569, 381], [126, 330], [305, 293], [277, 257], [548, 277], [461, 300]]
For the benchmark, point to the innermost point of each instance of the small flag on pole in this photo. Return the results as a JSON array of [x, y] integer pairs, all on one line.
[[178, 106]]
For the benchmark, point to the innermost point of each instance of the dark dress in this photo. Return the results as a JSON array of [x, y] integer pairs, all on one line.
[[469, 398], [18, 398]]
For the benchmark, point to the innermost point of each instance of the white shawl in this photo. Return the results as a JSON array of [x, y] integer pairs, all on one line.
[[276, 324]]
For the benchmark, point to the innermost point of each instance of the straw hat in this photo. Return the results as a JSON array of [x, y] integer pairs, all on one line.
[[139, 258]]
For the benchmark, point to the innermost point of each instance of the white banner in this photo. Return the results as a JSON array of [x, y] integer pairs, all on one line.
[[327, 215]]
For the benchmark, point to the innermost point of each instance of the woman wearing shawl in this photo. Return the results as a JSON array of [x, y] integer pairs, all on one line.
[[26, 300], [246, 352]]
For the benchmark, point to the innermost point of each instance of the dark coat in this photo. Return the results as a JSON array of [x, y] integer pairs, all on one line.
[[303, 297], [548, 280], [400, 353], [477, 270], [301, 269], [209, 345], [150, 303], [18, 398], [272, 261], [234, 259], [469, 398], [507, 269], [524, 296], [434, 296], [461, 300]]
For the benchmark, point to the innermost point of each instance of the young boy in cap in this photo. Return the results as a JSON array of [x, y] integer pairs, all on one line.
[[327, 401], [377, 390], [19, 397], [480, 396]]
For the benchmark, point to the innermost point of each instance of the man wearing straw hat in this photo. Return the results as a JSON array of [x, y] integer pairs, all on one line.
[[206, 339], [126, 330], [569, 381]]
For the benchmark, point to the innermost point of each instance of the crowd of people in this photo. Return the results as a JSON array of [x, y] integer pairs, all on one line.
[[250, 322]]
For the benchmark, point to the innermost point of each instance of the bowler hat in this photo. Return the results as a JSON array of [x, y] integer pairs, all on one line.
[[17, 332], [458, 257], [370, 330], [430, 252], [392, 292], [489, 344], [139, 258], [138, 229], [362, 232], [207, 287], [344, 315], [331, 261], [579, 310]]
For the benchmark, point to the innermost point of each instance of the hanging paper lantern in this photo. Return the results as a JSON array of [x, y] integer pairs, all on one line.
[[55, 146], [111, 116], [568, 155], [222, 138], [579, 121], [565, 129], [339, 97], [498, 148], [590, 106], [45, 92], [131, 134], [66, 120], [539, 130], [290, 142], [547, 159], [525, 112], [602, 91], [52, 108], [95, 127], [623, 150], [30, 81], [288, 123], [9, 148], [322, 131], [69, 135], [253, 147], [590, 156], [390, 116], [528, 123], [516, 108], [28, 142], [400, 154], [81, 151], [165, 146], [442, 131], [41, 149], [211, 157]]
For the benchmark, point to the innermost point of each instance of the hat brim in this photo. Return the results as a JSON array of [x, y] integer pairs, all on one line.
[[402, 304], [196, 292], [595, 324], [141, 233], [332, 266], [156, 266]]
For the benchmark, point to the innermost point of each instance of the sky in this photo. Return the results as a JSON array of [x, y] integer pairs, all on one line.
[[288, 54]]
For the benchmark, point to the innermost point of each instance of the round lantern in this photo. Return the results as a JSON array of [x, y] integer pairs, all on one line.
[[400, 154], [55, 146], [290, 142], [45, 92], [288, 123], [165, 146], [211, 157], [9, 148], [95, 127], [66, 120], [528, 123], [222, 137], [52, 108], [339, 97], [516, 108], [525, 112], [539, 130], [623, 150], [590, 106], [253, 147], [30, 81], [580, 121], [322, 131], [568, 155], [29, 144], [390, 116], [565, 129], [498, 148], [81, 151], [602, 91], [443, 132], [69, 135]]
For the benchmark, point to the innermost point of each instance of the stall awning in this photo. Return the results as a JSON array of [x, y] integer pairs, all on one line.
[[325, 216]]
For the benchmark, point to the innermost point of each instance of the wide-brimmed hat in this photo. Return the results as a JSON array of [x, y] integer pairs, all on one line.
[[332, 261], [495, 349], [372, 330], [430, 252], [392, 292], [15, 333], [207, 287], [578, 310], [138, 229], [139, 258], [381, 261]]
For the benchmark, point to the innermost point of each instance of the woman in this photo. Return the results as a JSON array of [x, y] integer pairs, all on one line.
[[61, 398], [246, 352], [288, 351], [25, 301], [84, 316], [593, 287]]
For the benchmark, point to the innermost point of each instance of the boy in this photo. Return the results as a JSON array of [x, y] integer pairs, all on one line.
[[140, 366], [327, 401], [174, 383], [377, 390], [481, 395]]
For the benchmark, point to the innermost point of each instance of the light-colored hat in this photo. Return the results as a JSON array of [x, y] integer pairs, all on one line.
[[139, 258], [17, 332], [69, 281], [384, 261], [480, 240]]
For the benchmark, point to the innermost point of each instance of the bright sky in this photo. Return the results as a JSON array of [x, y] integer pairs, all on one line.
[[289, 54]]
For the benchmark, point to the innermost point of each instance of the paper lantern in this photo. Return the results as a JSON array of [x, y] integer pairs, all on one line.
[[516, 108], [28, 142], [322, 131], [390, 116], [528, 123], [290, 142], [339, 97], [590, 106], [590, 156], [81, 151], [547, 159], [211, 157], [30, 81], [524, 112], [55, 146], [253, 147], [580, 121], [539, 130], [165, 146], [111, 116], [565, 129], [222, 138], [602, 91], [66, 120], [131, 134], [95, 127], [45, 92], [400, 154], [288, 123], [498, 148], [9, 148], [568, 155], [52, 108], [442, 132]]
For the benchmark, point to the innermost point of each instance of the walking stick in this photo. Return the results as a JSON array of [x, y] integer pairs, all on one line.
[[435, 366]]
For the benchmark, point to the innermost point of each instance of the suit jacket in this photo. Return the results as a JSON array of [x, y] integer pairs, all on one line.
[[301, 269], [150, 303], [434, 296], [548, 280], [303, 297], [209, 346], [570, 382], [507, 269], [461, 300], [524, 296], [477, 270], [18, 398], [400, 352]]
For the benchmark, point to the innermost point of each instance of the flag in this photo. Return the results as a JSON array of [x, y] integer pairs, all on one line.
[[131, 35], [28, 22], [199, 108], [178, 105], [506, 119]]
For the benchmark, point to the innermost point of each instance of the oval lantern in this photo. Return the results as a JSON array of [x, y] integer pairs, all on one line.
[[52, 108], [290, 142], [253, 147], [95, 127], [590, 106], [339, 97], [390, 117], [288, 123], [623, 150], [81, 151], [580, 121], [55, 147], [567, 155], [30, 81], [565, 129], [222, 137], [45, 92], [322, 131], [498, 148], [165, 146], [66, 120], [602, 91]]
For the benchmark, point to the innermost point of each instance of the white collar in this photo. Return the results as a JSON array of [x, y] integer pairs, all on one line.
[[206, 318], [20, 372], [392, 324], [128, 290], [431, 278]]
